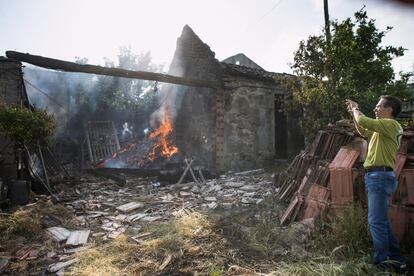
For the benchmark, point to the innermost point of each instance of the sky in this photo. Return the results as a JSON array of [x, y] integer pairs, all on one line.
[[267, 31]]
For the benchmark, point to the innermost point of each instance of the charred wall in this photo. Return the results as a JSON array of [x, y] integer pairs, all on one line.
[[11, 87], [194, 119]]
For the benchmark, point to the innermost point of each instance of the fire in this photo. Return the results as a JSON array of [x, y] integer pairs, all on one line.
[[162, 143]]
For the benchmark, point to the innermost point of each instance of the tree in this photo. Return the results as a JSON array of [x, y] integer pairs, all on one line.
[[353, 64], [126, 94]]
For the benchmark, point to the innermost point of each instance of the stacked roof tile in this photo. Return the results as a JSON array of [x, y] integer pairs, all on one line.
[[329, 174]]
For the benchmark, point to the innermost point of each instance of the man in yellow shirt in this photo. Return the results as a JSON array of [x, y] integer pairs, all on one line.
[[384, 135]]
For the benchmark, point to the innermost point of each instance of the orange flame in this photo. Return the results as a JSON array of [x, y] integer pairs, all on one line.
[[162, 143]]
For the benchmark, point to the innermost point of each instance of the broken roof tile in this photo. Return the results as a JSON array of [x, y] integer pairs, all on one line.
[[78, 237], [58, 233], [345, 158], [398, 215], [130, 206], [399, 162], [341, 185]]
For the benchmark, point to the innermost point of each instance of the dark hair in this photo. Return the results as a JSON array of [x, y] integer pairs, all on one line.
[[393, 102]]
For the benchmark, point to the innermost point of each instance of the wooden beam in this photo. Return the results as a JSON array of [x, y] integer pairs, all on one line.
[[67, 66]]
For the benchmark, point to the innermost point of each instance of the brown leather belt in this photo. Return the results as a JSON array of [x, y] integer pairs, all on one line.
[[379, 169]]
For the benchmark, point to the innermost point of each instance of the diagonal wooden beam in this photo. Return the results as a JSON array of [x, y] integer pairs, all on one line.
[[68, 66]]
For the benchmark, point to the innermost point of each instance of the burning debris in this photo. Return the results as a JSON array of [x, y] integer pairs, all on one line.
[[153, 152]]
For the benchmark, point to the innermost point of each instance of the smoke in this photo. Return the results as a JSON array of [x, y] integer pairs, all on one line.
[[58, 92], [75, 98], [170, 97]]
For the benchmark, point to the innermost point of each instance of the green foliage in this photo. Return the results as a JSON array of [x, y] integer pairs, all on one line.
[[26, 127], [216, 271], [127, 94], [345, 235], [353, 64], [325, 266]]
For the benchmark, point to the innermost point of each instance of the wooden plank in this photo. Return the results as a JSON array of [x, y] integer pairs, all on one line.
[[67, 66]]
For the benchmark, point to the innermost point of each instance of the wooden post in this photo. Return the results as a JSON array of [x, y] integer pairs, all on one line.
[[327, 27]]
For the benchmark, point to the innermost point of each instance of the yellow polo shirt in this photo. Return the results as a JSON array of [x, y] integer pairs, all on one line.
[[385, 138]]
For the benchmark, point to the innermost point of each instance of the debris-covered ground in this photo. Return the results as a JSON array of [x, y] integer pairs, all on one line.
[[226, 226]]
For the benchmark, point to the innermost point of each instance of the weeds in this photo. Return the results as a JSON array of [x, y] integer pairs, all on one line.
[[325, 266], [344, 235]]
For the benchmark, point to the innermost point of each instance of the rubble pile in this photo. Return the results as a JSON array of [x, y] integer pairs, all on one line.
[[103, 210]]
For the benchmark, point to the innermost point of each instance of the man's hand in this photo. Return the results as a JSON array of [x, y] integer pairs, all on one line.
[[351, 105]]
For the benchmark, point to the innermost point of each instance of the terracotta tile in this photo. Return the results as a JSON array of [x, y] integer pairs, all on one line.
[[313, 208], [341, 185], [345, 158], [405, 191], [409, 182], [292, 210], [319, 193], [399, 163], [399, 217]]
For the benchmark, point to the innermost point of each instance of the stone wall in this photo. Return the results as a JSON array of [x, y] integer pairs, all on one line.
[[194, 120], [249, 103], [10, 92], [10, 80], [249, 123]]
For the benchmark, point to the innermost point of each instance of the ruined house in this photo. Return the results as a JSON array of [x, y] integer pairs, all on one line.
[[227, 115], [239, 126]]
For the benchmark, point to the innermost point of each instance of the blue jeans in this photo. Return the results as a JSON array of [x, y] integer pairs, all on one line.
[[379, 186]]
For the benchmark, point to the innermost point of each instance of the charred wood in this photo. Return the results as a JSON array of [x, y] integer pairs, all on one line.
[[67, 66]]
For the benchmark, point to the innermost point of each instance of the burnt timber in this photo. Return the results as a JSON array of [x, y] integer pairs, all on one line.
[[67, 66]]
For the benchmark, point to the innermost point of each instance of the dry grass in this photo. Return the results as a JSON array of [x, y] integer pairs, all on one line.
[[26, 221], [187, 244], [20, 223]]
